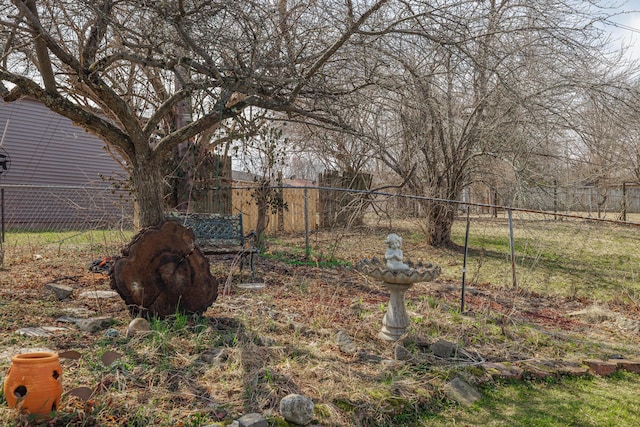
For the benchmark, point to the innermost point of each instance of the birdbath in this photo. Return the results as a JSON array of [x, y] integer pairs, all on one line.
[[398, 277]]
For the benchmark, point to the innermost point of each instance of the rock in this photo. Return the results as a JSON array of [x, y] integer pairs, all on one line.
[[628, 365], [139, 325], [39, 331], [94, 324], [600, 367], [390, 364], [61, 292], [356, 308], [70, 354], [266, 341], [443, 348], [365, 356], [111, 333], [98, 294], [503, 370], [215, 356], [108, 357], [300, 329], [67, 319], [401, 353], [462, 392], [534, 370], [297, 409], [79, 312], [345, 343], [252, 420], [573, 369], [593, 314]]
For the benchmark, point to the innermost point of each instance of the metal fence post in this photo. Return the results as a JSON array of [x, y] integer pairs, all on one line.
[[464, 262], [307, 250], [624, 201], [512, 247], [2, 211]]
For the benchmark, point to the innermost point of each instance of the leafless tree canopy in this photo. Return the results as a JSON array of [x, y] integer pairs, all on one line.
[[441, 94], [496, 92], [125, 69]]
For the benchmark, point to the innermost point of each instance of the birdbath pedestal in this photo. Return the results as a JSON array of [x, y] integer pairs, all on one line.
[[398, 277], [396, 320]]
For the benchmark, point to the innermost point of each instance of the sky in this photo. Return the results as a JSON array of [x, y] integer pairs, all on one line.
[[626, 27]]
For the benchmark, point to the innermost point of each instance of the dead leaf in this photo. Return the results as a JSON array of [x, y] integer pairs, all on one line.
[[71, 354], [83, 393], [109, 357]]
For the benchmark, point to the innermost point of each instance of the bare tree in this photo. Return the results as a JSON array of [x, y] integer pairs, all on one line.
[[482, 84], [630, 142], [123, 69]]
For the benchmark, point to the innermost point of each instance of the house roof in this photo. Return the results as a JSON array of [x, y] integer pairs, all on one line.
[[299, 182], [243, 176]]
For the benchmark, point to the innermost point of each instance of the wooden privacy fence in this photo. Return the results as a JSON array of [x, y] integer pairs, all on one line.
[[290, 220], [342, 207]]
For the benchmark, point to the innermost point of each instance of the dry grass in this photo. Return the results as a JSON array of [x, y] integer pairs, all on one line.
[[280, 339]]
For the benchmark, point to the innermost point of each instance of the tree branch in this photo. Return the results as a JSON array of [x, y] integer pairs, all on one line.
[[334, 48], [42, 53], [97, 33], [57, 103]]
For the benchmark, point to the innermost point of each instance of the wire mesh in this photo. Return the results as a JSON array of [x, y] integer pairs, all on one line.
[[62, 208], [573, 254]]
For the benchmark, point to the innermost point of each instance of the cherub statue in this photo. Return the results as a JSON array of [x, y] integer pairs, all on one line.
[[393, 255]]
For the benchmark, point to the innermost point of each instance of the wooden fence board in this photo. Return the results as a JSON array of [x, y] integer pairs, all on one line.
[[293, 217]]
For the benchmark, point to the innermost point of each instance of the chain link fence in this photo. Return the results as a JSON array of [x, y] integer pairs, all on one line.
[[574, 254], [592, 201], [64, 208]]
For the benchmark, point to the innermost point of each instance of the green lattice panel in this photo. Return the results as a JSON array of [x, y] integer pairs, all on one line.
[[213, 229]]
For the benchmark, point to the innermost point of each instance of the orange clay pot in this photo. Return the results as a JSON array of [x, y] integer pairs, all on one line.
[[34, 383]]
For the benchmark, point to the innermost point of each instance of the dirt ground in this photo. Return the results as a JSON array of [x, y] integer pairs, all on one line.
[[282, 338]]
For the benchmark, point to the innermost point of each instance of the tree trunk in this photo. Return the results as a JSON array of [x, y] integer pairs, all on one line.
[[261, 195], [149, 185], [162, 272], [439, 220]]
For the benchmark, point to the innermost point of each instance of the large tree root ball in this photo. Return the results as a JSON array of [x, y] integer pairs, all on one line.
[[162, 272]]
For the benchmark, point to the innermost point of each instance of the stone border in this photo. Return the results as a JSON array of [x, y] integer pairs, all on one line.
[[535, 369], [542, 369]]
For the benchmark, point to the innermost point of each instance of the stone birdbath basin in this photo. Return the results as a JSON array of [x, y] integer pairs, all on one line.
[[398, 277]]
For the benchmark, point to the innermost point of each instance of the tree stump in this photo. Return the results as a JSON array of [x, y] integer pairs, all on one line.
[[161, 272]]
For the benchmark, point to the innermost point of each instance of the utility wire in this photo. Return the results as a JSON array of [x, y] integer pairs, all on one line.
[[622, 26]]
